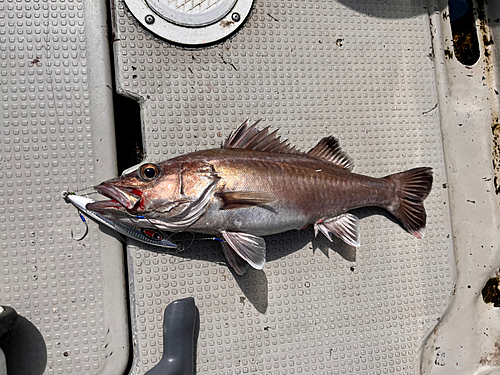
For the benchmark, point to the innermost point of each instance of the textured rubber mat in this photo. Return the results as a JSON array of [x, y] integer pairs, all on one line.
[[60, 287], [364, 72]]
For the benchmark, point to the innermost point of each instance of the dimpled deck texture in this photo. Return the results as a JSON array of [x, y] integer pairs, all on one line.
[[54, 282], [310, 69]]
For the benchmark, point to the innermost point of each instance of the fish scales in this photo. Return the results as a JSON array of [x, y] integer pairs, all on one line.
[[306, 189]]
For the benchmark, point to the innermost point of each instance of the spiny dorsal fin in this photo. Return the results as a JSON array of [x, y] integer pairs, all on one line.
[[329, 149], [250, 138]]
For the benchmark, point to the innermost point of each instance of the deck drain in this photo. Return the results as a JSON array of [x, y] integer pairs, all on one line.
[[192, 23]]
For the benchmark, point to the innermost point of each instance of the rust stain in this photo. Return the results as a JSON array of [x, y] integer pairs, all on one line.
[[226, 23], [490, 81], [491, 293], [493, 358], [448, 53]]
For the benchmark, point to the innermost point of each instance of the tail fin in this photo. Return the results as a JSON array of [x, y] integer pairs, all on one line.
[[412, 187]]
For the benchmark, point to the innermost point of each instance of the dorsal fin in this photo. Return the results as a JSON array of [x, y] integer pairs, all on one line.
[[250, 138], [329, 149]]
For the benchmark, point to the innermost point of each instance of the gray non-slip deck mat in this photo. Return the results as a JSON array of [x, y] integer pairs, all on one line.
[[360, 70], [57, 134]]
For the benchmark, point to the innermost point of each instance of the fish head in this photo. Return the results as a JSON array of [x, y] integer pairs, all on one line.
[[154, 190], [139, 191]]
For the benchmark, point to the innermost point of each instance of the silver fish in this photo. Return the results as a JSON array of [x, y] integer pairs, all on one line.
[[257, 185]]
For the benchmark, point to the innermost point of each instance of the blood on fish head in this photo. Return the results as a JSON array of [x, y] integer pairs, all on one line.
[[139, 191], [154, 190]]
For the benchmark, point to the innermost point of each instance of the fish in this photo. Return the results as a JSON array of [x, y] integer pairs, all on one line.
[[143, 233], [257, 185]]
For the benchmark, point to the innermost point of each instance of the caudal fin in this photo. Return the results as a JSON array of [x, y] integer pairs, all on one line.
[[412, 187]]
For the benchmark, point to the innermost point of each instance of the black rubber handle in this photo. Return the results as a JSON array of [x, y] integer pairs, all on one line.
[[8, 322], [179, 333]]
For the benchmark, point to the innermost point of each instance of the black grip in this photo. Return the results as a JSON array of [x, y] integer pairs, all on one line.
[[8, 322], [180, 325]]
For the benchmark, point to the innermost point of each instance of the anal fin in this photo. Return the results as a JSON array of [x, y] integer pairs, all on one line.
[[345, 227], [249, 247]]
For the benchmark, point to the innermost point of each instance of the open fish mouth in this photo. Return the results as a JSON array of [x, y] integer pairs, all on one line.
[[121, 198]]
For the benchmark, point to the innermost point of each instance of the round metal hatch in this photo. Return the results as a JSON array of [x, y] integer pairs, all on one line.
[[192, 23]]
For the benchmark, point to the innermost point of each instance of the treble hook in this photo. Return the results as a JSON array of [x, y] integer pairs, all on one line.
[[86, 228]]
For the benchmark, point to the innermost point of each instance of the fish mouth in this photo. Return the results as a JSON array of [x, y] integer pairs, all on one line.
[[121, 198]]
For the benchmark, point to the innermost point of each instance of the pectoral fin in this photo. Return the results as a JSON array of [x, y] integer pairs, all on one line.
[[251, 248], [345, 227], [241, 199]]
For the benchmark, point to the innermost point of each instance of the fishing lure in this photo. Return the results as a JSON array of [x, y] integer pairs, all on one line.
[[150, 236]]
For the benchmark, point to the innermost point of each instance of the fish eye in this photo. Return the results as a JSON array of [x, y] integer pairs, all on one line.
[[149, 172]]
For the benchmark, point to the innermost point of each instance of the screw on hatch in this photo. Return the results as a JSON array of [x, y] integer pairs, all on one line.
[[149, 19], [236, 17]]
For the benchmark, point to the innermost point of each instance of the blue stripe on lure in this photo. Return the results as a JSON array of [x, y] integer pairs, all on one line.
[[149, 236]]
